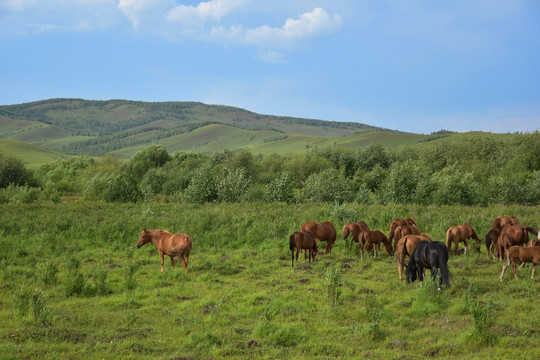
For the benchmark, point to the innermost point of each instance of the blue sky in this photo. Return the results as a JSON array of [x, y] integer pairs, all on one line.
[[417, 66]]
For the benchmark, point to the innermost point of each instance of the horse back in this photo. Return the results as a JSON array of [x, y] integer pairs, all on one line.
[[524, 254]]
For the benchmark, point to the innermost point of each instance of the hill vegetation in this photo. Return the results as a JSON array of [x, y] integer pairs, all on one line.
[[83, 127]]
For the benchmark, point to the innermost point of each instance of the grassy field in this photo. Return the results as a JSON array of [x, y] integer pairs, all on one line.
[[74, 286], [32, 155]]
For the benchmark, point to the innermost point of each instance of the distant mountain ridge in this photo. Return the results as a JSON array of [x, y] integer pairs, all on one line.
[[97, 127]]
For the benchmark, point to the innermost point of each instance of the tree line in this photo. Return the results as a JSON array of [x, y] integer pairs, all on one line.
[[465, 169]]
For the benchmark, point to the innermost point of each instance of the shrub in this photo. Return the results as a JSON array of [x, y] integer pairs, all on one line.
[[334, 283], [327, 186], [233, 186], [122, 188], [203, 185], [12, 171], [281, 188]]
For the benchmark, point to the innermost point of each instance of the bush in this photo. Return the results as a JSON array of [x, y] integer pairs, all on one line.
[[122, 188], [282, 188], [12, 171], [203, 185], [233, 186], [328, 186]]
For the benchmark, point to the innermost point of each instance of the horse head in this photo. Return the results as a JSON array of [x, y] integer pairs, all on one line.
[[146, 237], [410, 271]]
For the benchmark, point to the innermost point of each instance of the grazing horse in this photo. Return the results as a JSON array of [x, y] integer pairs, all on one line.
[[405, 247], [373, 238], [354, 229], [461, 233], [400, 222], [533, 242], [322, 232], [302, 240], [513, 235], [404, 230], [429, 255], [168, 244], [491, 241], [501, 221], [519, 254]]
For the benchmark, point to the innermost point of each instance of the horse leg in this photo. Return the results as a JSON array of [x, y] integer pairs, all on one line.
[[514, 266], [184, 263], [502, 272], [434, 273], [161, 254], [172, 262], [465, 246], [292, 258], [400, 268], [533, 270]]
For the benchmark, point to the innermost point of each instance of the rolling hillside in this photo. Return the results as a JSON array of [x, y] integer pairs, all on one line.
[[121, 127]]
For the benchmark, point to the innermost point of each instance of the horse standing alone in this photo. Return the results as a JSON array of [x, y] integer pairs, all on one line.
[[168, 244], [302, 240]]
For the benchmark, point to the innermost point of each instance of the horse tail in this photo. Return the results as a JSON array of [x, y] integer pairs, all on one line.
[[443, 266], [405, 248], [292, 243], [449, 238]]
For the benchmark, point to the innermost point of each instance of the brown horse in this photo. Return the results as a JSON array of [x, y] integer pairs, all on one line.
[[322, 232], [491, 242], [168, 244], [501, 221], [461, 233], [519, 254], [513, 235], [354, 229], [404, 230], [533, 242], [400, 222], [405, 247], [302, 240], [373, 239]]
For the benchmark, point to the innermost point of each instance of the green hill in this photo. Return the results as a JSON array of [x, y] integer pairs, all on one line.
[[76, 126], [32, 155]]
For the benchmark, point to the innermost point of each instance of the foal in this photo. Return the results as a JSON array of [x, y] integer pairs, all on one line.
[[518, 254], [302, 240]]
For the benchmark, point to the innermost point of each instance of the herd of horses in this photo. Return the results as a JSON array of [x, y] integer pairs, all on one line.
[[506, 238]]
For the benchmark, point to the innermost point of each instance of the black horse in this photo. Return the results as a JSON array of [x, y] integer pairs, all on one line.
[[429, 255]]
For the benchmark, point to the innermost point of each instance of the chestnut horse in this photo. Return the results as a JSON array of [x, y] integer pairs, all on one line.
[[513, 235], [400, 222], [404, 230], [373, 238], [354, 230], [461, 233], [168, 244], [302, 240], [501, 221], [491, 242], [405, 247], [519, 254], [322, 232]]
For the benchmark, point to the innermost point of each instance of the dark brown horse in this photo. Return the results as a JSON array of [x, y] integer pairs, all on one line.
[[404, 230], [518, 255], [373, 239], [461, 233], [322, 232], [168, 244], [501, 221], [302, 241], [491, 242], [405, 247], [400, 222], [513, 235]]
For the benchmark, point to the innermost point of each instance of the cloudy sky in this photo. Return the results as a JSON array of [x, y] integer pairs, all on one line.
[[410, 65]]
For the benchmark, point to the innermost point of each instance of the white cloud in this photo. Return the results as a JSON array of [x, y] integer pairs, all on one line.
[[213, 9], [136, 10], [308, 24]]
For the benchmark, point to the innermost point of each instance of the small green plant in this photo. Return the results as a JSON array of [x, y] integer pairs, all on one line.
[[49, 275], [334, 283], [130, 268], [22, 302], [40, 310], [482, 314], [374, 312], [75, 282]]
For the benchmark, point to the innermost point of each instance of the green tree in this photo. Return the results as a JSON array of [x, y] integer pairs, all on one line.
[[12, 171]]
